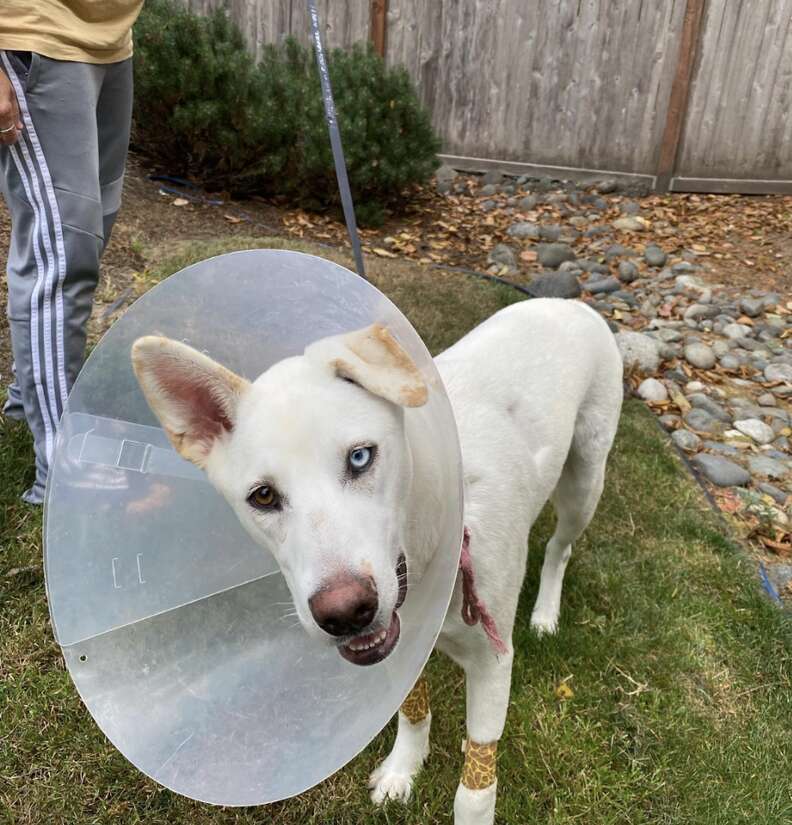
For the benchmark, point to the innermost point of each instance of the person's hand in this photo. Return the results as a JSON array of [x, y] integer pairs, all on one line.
[[10, 121]]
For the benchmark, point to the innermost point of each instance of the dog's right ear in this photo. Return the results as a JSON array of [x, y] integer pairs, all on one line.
[[194, 397]]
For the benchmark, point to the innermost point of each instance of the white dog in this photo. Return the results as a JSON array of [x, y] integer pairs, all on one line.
[[321, 464]]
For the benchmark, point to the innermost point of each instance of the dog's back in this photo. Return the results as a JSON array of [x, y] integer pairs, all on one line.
[[532, 379]]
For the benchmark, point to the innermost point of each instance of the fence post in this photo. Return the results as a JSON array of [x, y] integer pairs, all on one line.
[[680, 93], [378, 24]]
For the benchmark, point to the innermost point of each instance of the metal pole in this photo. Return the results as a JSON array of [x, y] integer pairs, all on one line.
[[335, 140]]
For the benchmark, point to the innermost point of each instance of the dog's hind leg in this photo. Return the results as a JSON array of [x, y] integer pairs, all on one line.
[[394, 777], [575, 500]]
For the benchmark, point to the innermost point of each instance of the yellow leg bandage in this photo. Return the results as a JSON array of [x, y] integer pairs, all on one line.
[[416, 706], [479, 770]]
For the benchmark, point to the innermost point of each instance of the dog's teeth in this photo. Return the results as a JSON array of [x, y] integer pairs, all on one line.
[[359, 647]]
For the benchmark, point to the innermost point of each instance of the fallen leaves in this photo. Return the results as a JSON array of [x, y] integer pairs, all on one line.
[[781, 548], [728, 501], [563, 692], [679, 400]]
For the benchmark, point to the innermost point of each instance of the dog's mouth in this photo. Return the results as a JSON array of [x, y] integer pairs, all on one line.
[[370, 648], [376, 645]]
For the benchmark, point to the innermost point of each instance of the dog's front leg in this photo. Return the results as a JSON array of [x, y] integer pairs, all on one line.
[[394, 777], [488, 681]]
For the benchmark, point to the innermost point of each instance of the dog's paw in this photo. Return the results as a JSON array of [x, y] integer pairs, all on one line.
[[393, 779], [544, 624], [386, 783], [475, 807]]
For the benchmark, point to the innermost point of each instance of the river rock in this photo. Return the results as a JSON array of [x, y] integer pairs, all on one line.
[[704, 402], [503, 256], [444, 178], [655, 256], [771, 490], [752, 307], [555, 285], [686, 440], [603, 286], [553, 254], [550, 232], [524, 229], [735, 331], [778, 372], [700, 355], [628, 272], [730, 362], [629, 224], [721, 347], [755, 429], [638, 351], [616, 250], [652, 390], [696, 312], [721, 471], [701, 421], [762, 465], [721, 449]]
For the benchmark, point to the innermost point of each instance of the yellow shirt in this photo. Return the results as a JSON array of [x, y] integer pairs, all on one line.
[[86, 31]]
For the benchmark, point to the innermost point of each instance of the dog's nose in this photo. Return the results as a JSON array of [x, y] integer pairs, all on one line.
[[345, 605]]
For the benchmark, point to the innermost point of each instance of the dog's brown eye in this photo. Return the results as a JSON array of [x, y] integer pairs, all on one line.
[[264, 498]]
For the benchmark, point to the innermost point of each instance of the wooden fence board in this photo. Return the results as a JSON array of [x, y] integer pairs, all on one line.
[[270, 21], [585, 84], [260, 22], [738, 123]]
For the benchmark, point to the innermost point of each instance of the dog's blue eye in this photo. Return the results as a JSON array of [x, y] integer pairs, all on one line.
[[360, 458]]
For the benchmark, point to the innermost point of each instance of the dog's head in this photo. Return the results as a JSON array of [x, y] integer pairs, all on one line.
[[314, 460]]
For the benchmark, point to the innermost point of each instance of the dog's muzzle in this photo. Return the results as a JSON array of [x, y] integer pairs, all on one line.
[[377, 644]]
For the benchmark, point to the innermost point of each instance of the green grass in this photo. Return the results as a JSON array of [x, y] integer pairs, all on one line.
[[680, 668]]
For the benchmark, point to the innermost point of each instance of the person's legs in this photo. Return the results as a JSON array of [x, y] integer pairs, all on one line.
[[51, 184], [113, 119]]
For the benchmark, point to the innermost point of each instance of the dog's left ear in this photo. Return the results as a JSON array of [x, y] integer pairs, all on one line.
[[374, 359]]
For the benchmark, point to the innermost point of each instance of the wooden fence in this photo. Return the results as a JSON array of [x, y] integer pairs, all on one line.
[[692, 95]]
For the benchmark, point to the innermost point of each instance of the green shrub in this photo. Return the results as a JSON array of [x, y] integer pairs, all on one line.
[[204, 109]]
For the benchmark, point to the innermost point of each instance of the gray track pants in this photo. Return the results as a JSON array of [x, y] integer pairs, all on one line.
[[62, 183]]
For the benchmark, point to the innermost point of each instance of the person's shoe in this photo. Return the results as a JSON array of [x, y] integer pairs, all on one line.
[[34, 496], [13, 410]]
